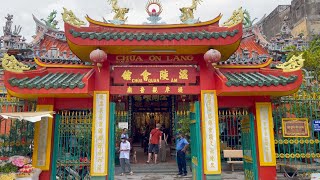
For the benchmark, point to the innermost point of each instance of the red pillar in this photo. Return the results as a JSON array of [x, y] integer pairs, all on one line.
[[264, 172]]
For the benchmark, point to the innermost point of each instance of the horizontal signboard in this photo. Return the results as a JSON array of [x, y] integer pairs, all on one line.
[[154, 75], [153, 59], [295, 127], [155, 89]]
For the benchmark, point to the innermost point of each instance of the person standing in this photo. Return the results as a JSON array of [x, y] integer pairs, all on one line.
[[154, 143], [125, 155], [181, 147], [125, 133]]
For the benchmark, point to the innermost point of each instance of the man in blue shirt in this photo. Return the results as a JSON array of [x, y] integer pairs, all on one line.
[[181, 147]]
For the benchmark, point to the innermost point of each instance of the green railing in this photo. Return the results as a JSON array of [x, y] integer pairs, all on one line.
[[73, 151], [16, 137], [299, 156]]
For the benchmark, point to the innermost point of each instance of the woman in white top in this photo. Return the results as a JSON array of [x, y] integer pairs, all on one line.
[[125, 155]]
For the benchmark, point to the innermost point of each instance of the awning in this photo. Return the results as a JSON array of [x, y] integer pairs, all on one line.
[[28, 116]]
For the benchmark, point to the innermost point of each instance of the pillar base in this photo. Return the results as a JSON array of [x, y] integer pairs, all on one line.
[[267, 173], [213, 177], [99, 177]]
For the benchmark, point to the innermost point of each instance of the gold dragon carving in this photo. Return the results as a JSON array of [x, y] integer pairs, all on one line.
[[10, 63], [236, 18], [294, 63], [120, 12], [69, 17], [187, 12]]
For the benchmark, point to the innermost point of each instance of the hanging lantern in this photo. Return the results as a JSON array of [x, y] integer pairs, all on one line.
[[98, 56], [212, 56]]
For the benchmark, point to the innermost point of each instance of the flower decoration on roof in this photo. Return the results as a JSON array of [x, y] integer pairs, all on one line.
[[69, 17], [10, 63], [154, 9], [187, 16], [236, 18], [119, 17], [295, 63]]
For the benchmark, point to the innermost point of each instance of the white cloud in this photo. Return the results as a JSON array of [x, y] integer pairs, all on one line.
[[96, 9]]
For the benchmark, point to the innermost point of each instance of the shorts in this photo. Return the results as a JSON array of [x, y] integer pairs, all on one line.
[[153, 148]]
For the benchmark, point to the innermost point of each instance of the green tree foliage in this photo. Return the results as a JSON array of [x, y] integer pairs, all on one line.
[[311, 54]]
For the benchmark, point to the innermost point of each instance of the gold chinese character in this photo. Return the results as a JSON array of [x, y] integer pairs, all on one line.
[[180, 90], [129, 90], [154, 90], [142, 89], [164, 75], [145, 74], [126, 75], [183, 74], [167, 89]]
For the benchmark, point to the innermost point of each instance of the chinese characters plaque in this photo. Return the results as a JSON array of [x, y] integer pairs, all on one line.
[[265, 134], [100, 138], [211, 133], [295, 127]]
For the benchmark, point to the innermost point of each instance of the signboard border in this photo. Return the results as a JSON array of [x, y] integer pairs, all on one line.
[[288, 119]]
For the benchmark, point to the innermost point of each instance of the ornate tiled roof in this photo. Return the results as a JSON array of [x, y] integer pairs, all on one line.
[[140, 36], [50, 80], [257, 79]]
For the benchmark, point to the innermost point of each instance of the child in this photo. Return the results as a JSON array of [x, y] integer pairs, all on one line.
[[125, 155]]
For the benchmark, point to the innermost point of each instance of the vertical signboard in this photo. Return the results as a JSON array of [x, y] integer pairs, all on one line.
[[265, 134], [100, 129], [210, 132]]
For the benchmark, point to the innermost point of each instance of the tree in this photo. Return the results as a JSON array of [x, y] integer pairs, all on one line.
[[311, 54]]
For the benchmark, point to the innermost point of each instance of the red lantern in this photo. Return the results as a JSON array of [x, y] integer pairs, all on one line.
[[212, 56], [98, 56]]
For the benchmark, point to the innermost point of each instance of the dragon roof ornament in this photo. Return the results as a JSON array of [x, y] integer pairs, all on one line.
[[51, 22], [120, 13], [187, 13], [295, 63], [236, 18], [69, 17], [10, 63]]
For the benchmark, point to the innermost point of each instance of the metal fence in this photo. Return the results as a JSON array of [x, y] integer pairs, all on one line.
[[16, 137], [297, 155], [73, 153]]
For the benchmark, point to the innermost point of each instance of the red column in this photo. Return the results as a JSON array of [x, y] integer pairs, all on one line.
[[45, 175], [264, 172]]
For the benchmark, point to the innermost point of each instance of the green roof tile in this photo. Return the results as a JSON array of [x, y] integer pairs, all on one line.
[[50, 81], [257, 79], [152, 36]]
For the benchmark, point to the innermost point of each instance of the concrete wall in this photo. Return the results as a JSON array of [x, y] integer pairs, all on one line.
[[272, 24], [303, 17]]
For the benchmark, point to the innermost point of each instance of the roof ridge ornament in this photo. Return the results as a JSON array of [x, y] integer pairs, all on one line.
[[51, 22], [119, 17], [187, 13], [10, 63], [295, 63], [154, 13], [236, 18], [69, 18]]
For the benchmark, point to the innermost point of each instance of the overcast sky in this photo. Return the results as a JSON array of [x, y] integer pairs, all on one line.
[[96, 9]]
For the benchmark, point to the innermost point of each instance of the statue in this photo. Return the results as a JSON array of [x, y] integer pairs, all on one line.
[[10, 63], [247, 19], [7, 28], [71, 19], [119, 17], [236, 18], [51, 22], [294, 63], [187, 16]]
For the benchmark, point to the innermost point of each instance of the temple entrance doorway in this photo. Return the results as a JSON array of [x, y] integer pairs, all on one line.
[[139, 114]]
